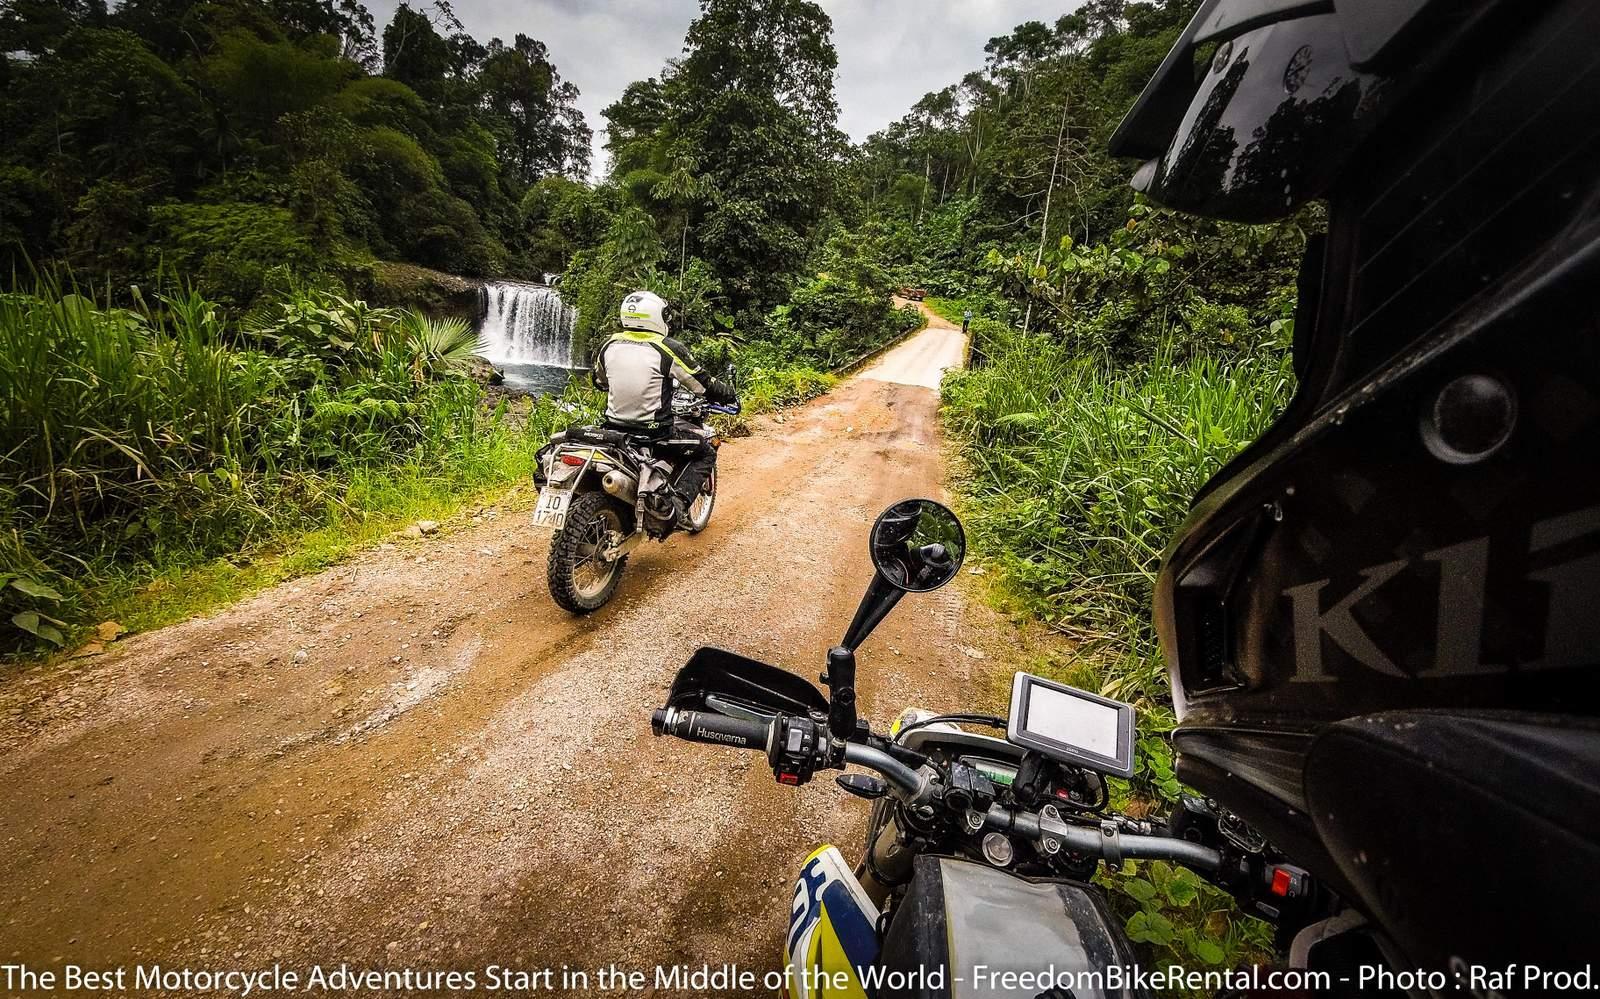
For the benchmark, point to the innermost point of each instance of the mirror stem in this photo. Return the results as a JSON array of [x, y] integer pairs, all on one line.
[[841, 681], [881, 597]]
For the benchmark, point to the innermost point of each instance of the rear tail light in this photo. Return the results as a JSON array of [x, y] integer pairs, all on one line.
[[571, 459]]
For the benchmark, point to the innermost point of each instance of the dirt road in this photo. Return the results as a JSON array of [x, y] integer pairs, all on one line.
[[416, 761]]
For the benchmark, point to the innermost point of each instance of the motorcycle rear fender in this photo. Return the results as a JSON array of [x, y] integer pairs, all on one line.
[[561, 473], [832, 929]]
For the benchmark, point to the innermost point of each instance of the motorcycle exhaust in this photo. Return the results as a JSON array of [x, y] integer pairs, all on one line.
[[621, 485]]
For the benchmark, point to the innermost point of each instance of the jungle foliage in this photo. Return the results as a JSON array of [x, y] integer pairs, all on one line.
[[251, 145], [151, 438], [725, 196], [1122, 353]]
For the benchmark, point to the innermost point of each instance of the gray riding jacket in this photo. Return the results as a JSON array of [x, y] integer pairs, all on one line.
[[637, 370]]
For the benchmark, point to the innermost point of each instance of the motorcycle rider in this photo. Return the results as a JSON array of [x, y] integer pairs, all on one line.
[[637, 368]]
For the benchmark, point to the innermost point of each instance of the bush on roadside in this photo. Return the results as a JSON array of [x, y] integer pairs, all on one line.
[[1077, 471], [238, 250]]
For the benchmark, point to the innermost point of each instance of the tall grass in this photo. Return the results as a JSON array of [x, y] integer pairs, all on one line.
[[766, 389], [141, 442], [1076, 473], [1079, 471]]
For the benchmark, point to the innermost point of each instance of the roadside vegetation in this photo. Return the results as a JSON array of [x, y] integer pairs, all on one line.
[[150, 440], [1081, 448]]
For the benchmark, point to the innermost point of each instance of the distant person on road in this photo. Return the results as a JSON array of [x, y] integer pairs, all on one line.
[[637, 369], [966, 320]]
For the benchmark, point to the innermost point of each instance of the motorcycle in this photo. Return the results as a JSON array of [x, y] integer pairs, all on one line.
[[980, 847], [603, 492]]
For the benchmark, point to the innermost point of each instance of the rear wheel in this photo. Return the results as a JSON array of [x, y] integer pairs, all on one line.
[[700, 509], [580, 578]]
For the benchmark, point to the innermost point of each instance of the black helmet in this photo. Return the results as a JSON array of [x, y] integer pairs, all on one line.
[[1380, 619]]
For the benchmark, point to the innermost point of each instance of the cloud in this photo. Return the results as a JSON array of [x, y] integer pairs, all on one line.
[[891, 52]]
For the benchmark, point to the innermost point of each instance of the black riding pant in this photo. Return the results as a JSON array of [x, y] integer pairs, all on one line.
[[697, 465], [694, 462]]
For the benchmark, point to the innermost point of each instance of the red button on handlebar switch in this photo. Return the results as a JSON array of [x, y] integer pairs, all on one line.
[[1282, 882]]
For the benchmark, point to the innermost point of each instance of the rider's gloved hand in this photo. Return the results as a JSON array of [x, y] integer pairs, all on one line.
[[721, 392]]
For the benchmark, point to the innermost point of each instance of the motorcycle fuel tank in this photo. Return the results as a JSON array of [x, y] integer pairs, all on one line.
[[832, 941], [962, 930]]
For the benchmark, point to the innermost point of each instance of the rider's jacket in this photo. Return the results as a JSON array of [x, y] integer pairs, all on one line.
[[637, 368]]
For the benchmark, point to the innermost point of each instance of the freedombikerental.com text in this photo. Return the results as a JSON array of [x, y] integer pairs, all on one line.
[[702, 980]]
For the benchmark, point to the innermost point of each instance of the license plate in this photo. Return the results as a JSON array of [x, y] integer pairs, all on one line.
[[552, 509]]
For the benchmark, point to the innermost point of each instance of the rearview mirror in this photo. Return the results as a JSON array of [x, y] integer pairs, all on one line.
[[918, 545]]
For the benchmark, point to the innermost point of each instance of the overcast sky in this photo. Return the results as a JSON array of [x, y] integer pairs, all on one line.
[[891, 52]]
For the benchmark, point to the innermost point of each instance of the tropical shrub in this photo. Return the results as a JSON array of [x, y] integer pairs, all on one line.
[[236, 250], [1079, 471], [162, 434]]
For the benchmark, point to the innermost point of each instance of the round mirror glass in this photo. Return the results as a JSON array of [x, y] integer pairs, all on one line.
[[918, 545]]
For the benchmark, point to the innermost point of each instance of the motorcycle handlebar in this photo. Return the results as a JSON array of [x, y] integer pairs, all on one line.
[[723, 730], [895, 772], [1104, 843], [717, 730], [700, 407]]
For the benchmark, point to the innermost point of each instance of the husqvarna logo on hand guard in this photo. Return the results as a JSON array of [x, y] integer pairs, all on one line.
[[1571, 630]]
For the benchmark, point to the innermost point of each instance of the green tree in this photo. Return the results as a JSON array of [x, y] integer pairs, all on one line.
[[414, 52], [634, 126], [682, 189], [753, 103], [541, 130], [259, 81], [562, 216]]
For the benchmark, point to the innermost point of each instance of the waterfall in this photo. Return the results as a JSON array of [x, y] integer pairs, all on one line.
[[526, 324]]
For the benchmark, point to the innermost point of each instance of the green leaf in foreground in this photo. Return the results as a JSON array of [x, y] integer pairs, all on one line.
[[34, 588], [36, 625], [1206, 950]]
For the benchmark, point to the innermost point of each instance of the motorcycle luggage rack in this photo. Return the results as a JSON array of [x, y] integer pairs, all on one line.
[[595, 435]]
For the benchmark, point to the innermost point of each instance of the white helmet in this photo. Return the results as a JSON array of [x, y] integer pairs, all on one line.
[[644, 310]]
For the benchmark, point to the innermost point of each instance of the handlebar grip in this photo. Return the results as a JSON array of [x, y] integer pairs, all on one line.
[[715, 729]]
